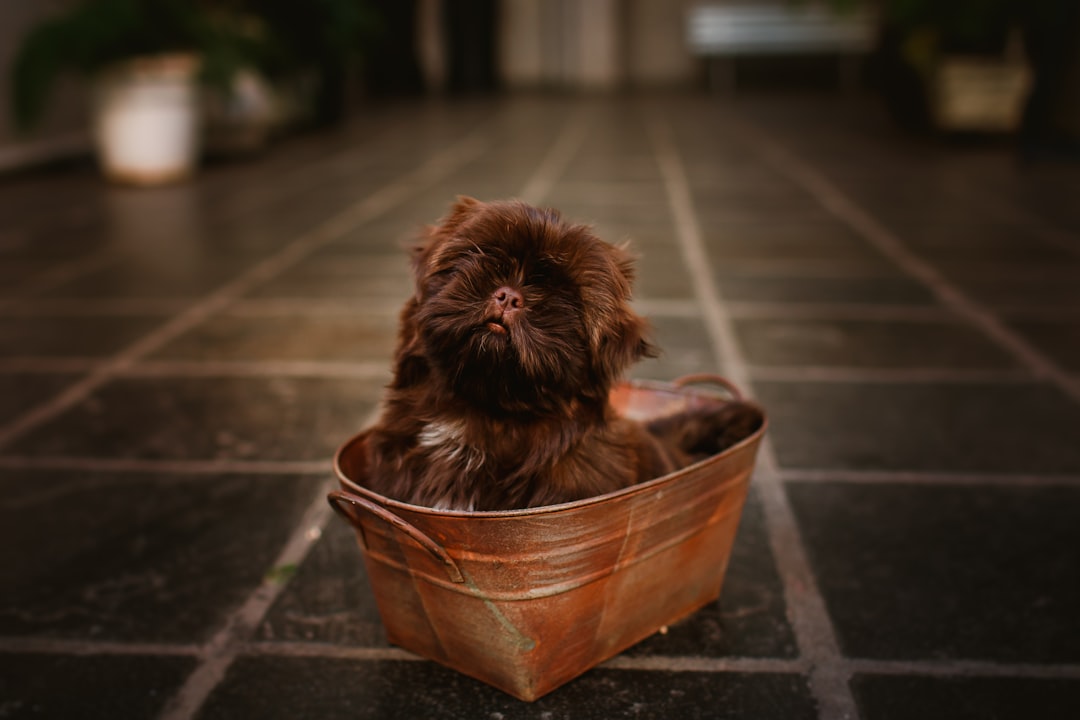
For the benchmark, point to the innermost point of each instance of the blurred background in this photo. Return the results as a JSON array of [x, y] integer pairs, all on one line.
[[266, 67], [864, 212]]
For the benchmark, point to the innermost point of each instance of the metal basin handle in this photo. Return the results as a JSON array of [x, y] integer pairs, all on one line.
[[347, 504], [710, 379]]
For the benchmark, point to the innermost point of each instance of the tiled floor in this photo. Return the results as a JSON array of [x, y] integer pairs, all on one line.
[[178, 365]]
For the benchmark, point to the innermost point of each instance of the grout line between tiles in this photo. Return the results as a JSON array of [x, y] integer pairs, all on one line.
[[63, 646], [226, 645], [937, 479], [1043, 229], [788, 311], [695, 663], [92, 307], [371, 370], [195, 369], [213, 466], [378, 370], [32, 365], [663, 307], [554, 164], [80, 647], [218, 654], [939, 668], [845, 374], [165, 465], [849, 212], [325, 651], [813, 629], [662, 663], [964, 668], [360, 212]]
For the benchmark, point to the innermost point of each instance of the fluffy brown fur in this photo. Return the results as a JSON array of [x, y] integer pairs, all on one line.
[[520, 325]]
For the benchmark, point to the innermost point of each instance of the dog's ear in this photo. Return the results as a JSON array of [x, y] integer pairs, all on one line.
[[625, 342], [618, 337], [424, 253]]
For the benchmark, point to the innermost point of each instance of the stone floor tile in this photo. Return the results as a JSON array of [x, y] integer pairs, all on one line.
[[38, 336], [291, 336], [135, 557], [868, 344], [270, 687], [923, 572], [899, 697], [94, 687], [964, 428], [237, 418], [19, 392]]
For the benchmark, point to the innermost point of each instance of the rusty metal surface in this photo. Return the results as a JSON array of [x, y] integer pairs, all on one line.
[[526, 600]]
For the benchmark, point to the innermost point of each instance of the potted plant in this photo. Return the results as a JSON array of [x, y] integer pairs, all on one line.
[[952, 64], [147, 60], [967, 59]]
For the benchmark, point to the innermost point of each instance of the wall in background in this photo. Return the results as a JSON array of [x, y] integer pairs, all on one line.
[[594, 44]]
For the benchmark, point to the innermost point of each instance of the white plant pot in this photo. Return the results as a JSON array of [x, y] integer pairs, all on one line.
[[146, 123], [980, 94]]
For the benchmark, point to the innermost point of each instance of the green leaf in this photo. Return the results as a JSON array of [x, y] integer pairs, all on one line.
[[281, 574]]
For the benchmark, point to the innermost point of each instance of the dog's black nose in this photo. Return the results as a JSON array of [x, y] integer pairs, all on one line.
[[508, 299]]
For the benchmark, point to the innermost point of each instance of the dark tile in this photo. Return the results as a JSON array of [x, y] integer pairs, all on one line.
[[65, 336], [991, 276], [385, 240], [946, 572], [749, 619], [1058, 339], [1048, 287], [865, 343], [226, 418], [599, 168], [970, 427], [381, 277], [267, 687], [798, 289], [730, 214], [661, 274], [57, 239], [684, 346], [928, 208], [327, 338], [329, 600], [131, 556], [644, 216], [891, 697], [981, 241], [17, 271], [153, 277], [88, 686], [19, 392], [790, 241]]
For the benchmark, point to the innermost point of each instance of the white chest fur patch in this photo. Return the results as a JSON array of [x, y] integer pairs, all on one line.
[[436, 434], [446, 441]]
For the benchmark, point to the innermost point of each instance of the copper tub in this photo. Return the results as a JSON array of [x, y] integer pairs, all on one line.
[[526, 600]]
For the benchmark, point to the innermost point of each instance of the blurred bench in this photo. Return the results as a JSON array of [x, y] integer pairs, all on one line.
[[722, 32]]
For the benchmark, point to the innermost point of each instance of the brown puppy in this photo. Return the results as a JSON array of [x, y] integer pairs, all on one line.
[[520, 325]]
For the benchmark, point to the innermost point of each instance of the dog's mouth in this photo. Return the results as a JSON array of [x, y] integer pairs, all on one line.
[[497, 327]]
